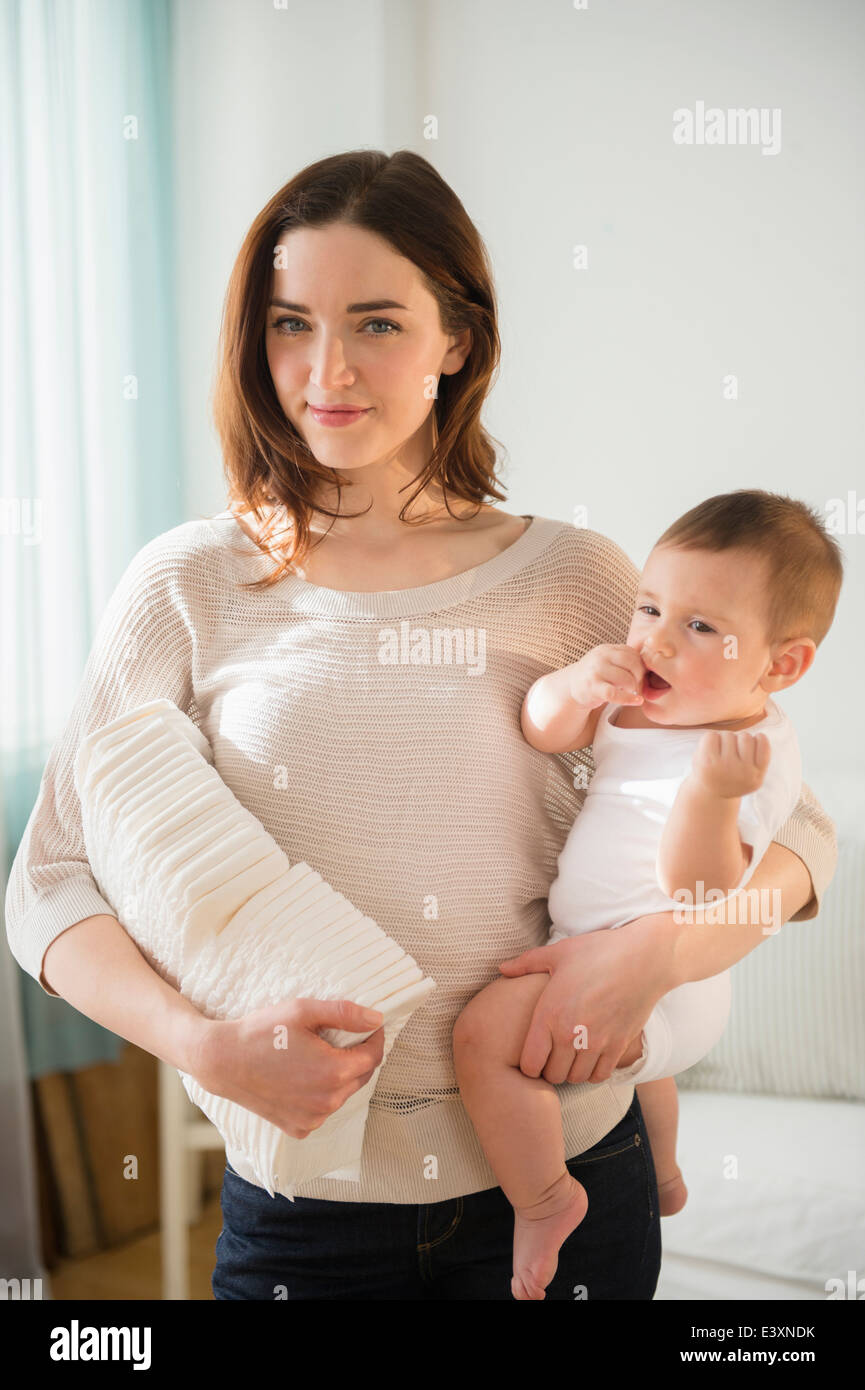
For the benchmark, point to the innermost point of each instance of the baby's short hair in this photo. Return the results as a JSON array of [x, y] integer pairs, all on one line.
[[805, 564]]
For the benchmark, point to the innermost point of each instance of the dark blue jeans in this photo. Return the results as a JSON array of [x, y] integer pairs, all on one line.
[[270, 1248]]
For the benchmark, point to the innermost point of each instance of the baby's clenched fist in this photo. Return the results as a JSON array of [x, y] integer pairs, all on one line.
[[729, 763]]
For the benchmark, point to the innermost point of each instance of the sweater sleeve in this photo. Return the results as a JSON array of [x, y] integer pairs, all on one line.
[[142, 650], [807, 831], [810, 833]]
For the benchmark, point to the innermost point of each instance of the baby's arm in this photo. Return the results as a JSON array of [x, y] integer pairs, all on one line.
[[561, 710], [701, 841]]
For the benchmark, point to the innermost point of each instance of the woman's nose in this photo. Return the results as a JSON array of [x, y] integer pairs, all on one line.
[[328, 366]]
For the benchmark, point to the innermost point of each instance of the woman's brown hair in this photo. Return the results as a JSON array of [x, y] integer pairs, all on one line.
[[404, 200]]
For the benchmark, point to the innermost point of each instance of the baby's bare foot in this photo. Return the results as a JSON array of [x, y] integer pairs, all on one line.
[[672, 1194], [539, 1233]]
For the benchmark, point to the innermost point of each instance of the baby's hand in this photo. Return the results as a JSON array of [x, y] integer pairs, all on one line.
[[605, 674], [729, 763]]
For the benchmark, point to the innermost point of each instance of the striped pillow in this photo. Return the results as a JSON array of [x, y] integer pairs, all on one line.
[[797, 1025]]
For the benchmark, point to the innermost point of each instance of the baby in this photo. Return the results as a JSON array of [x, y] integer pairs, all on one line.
[[696, 769]]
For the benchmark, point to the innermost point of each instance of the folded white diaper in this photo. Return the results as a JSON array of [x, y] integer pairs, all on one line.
[[217, 910]]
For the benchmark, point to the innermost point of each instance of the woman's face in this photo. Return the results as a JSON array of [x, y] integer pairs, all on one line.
[[356, 327]]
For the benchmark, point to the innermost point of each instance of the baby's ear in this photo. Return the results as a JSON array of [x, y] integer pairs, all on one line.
[[790, 661]]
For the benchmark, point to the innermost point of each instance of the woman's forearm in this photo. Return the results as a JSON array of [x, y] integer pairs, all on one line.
[[97, 967], [695, 950]]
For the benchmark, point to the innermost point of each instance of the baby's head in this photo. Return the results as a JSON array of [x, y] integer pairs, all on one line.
[[733, 602]]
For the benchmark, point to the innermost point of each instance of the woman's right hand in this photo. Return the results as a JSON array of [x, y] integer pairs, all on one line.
[[274, 1063]]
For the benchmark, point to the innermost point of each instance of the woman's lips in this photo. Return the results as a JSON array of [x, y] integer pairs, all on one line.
[[337, 417], [654, 686]]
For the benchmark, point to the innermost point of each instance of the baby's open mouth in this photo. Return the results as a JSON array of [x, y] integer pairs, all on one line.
[[655, 682]]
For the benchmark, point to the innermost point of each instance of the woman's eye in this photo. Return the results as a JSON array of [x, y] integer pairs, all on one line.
[[387, 323], [292, 333]]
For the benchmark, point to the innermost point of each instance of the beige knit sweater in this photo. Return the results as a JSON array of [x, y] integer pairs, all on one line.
[[376, 736]]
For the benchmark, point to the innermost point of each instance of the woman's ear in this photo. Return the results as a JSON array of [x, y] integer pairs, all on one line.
[[790, 661], [458, 351]]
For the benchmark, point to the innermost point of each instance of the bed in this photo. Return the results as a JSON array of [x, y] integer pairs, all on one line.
[[772, 1122], [776, 1198]]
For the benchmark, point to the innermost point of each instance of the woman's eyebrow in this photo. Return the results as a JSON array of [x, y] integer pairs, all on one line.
[[366, 307]]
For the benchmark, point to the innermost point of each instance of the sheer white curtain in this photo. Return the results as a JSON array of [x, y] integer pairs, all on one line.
[[89, 452]]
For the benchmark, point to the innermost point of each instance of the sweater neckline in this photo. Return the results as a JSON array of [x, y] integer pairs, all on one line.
[[304, 597]]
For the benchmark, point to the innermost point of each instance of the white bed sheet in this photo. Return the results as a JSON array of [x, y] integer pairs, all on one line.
[[776, 1203]]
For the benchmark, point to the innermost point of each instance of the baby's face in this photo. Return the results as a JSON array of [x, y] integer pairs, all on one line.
[[699, 625]]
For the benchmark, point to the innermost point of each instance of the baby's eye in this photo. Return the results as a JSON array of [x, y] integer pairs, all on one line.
[[649, 608], [700, 626]]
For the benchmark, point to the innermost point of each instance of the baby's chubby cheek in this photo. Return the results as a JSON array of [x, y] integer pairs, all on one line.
[[700, 694]]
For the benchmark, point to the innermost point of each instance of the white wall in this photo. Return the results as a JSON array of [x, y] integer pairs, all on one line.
[[555, 129]]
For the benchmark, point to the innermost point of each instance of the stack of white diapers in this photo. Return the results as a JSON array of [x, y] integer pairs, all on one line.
[[218, 911]]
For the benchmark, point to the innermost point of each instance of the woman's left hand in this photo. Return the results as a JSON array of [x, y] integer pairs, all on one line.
[[604, 982], [610, 981]]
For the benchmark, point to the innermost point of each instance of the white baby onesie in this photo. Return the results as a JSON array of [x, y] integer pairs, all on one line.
[[607, 868]]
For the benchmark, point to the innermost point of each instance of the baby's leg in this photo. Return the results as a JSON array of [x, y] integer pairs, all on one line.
[[683, 1027], [518, 1120], [659, 1102]]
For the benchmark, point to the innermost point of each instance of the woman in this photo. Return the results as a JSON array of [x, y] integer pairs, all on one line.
[[359, 672]]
